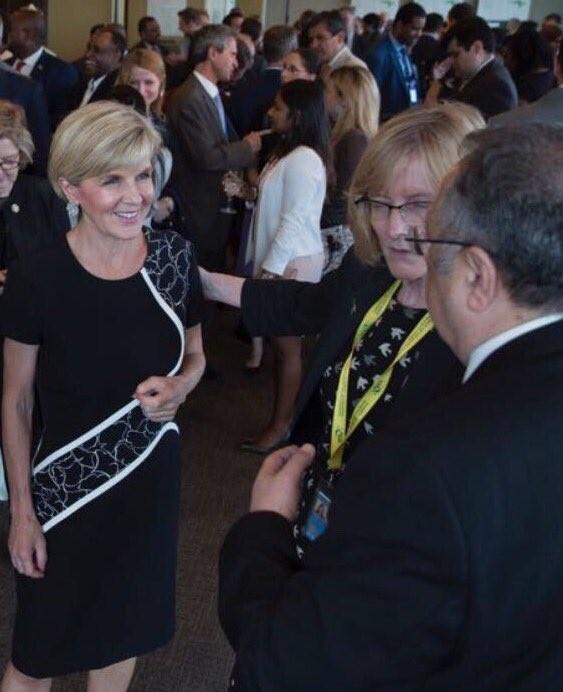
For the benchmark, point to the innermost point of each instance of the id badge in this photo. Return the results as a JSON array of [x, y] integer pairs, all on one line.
[[413, 94], [317, 519]]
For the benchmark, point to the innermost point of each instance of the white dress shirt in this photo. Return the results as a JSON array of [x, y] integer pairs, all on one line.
[[487, 348], [207, 84], [28, 63], [93, 84], [345, 58]]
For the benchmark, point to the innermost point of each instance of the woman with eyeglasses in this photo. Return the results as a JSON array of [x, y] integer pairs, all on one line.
[[302, 63], [378, 357], [31, 214]]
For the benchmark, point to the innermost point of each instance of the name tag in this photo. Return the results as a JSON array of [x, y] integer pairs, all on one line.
[[317, 520]]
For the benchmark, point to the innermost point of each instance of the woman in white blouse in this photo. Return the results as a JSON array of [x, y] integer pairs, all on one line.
[[285, 236]]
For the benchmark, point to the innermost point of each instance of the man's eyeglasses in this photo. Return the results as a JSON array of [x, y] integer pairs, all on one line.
[[8, 165], [419, 242], [411, 212]]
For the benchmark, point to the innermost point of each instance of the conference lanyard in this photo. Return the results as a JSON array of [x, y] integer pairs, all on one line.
[[342, 431]]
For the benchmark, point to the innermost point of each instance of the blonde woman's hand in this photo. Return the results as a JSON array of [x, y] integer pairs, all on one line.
[[161, 397], [27, 546]]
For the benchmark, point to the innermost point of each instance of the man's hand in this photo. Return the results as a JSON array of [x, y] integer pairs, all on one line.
[[440, 69], [277, 487], [255, 141]]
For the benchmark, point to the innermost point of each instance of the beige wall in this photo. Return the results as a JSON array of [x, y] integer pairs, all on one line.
[[70, 22], [250, 7], [135, 10]]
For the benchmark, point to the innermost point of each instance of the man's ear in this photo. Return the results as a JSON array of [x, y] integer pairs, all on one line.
[[70, 191], [481, 278], [477, 47]]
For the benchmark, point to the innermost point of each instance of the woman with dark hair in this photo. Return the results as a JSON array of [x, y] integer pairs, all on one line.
[[303, 63], [302, 26], [286, 237], [529, 58]]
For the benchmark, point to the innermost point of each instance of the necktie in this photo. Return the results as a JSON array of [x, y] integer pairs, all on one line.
[[219, 106], [405, 63], [89, 91], [20, 64]]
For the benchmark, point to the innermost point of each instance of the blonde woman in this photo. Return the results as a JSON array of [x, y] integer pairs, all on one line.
[[352, 100], [371, 312], [105, 324], [144, 70]]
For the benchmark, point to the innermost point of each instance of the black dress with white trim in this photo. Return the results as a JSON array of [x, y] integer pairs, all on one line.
[[105, 479]]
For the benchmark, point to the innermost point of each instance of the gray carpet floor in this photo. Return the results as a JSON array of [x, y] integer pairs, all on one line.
[[216, 485]]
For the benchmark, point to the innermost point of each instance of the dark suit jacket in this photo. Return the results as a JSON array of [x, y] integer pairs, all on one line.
[[251, 98], [33, 216], [548, 110], [59, 80], [158, 48], [102, 90], [30, 96], [442, 565], [334, 308], [492, 90], [203, 156], [383, 62]]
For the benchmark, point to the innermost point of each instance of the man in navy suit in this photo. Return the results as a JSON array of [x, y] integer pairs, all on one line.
[[29, 95], [391, 64], [442, 563], [58, 78], [254, 94]]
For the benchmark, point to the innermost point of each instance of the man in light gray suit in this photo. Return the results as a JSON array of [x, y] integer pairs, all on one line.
[[548, 109], [207, 146], [327, 37]]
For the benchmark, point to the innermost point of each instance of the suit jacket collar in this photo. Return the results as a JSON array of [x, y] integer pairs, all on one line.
[[483, 70], [541, 343], [207, 101], [105, 85]]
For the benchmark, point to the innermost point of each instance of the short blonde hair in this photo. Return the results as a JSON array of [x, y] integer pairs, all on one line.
[[359, 93], [147, 60], [13, 126], [98, 138], [433, 134]]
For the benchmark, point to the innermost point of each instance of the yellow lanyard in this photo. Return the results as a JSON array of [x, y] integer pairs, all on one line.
[[341, 431]]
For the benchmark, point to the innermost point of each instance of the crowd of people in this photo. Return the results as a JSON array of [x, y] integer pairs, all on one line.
[[391, 188]]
